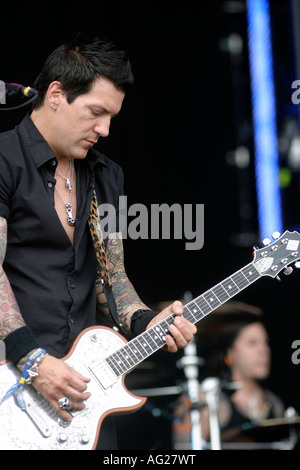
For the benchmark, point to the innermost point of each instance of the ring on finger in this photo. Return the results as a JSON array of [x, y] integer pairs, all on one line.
[[65, 403]]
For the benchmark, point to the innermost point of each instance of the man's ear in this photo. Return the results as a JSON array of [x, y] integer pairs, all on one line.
[[54, 94]]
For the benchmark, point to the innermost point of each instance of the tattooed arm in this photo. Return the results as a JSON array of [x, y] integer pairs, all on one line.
[[127, 300], [10, 316], [56, 378]]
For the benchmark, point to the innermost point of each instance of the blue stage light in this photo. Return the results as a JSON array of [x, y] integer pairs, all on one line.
[[264, 118]]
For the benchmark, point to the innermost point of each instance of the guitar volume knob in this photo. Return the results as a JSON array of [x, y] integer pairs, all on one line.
[[62, 437], [84, 439]]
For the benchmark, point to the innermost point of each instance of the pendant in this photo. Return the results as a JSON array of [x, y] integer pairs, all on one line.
[[69, 184], [71, 220]]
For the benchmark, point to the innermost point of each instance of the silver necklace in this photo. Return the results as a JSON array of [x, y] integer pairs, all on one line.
[[70, 172], [69, 185]]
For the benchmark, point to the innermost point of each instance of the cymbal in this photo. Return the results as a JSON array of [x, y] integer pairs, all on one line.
[[228, 315], [250, 431], [279, 421]]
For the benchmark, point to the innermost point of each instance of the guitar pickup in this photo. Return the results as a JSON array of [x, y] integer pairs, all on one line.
[[103, 374]]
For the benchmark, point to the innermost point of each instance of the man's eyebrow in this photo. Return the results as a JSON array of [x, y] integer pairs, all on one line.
[[97, 107]]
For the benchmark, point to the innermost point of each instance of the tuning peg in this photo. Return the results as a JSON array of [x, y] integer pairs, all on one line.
[[287, 271], [297, 264], [275, 235], [266, 241]]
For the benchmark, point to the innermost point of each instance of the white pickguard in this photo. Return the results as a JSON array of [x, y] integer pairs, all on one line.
[[44, 430]]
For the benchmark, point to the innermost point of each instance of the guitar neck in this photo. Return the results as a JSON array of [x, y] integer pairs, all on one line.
[[147, 343]]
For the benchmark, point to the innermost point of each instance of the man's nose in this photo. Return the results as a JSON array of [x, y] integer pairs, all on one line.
[[102, 126]]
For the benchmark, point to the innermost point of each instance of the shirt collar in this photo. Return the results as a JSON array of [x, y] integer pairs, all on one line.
[[40, 150]]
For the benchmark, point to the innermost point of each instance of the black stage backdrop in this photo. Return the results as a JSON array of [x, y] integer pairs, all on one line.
[[189, 110]]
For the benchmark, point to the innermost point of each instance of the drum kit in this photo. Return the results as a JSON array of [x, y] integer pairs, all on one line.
[[274, 434]]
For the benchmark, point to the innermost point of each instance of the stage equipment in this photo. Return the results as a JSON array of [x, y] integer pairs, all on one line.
[[17, 95], [190, 363], [264, 117]]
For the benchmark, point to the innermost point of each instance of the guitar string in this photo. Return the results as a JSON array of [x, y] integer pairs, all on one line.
[[241, 279], [170, 318]]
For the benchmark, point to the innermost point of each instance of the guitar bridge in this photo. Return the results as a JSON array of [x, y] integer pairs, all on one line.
[[40, 412]]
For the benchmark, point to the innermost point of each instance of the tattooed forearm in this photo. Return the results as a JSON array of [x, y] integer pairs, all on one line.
[[127, 300], [10, 316]]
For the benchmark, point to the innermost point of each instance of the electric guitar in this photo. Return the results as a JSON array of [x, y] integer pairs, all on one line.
[[106, 357]]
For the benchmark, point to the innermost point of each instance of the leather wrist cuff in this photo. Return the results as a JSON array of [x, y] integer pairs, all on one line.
[[19, 343], [140, 320]]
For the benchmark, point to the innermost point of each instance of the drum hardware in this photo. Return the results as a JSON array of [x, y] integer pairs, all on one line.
[[211, 388], [190, 363], [159, 391]]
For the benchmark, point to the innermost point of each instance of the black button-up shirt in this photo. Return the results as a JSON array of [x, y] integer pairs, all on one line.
[[53, 280]]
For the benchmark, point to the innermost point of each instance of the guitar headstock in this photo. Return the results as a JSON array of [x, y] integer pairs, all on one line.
[[279, 255]]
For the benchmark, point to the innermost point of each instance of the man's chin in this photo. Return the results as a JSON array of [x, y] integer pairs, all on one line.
[[80, 154]]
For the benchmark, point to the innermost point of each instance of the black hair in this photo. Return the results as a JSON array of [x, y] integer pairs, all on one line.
[[79, 63], [229, 320]]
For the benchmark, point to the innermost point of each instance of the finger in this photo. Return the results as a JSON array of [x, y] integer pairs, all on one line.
[[77, 400], [177, 337], [78, 405], [75, 379], [170, 344], [176, 307], [82, 378], [76, 396], [63, 414], [187, 329], [75, 405]]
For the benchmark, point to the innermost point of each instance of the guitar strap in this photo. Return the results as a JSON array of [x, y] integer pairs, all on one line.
[[97, 237]]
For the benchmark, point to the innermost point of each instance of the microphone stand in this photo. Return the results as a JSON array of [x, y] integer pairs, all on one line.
[[190, 363], [211, 387]]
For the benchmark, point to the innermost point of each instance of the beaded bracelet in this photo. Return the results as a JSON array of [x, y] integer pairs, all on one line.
[[33, 371], [37, 353]]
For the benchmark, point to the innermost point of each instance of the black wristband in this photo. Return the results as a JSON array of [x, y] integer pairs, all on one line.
[[19, 343], [140, 320]]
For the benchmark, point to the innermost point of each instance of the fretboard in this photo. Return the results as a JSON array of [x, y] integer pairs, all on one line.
[[147, 343]]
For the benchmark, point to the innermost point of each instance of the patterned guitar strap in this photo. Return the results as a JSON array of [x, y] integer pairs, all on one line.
[[97, 237]]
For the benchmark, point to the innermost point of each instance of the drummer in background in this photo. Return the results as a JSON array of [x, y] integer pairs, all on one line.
[[244, 357]]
